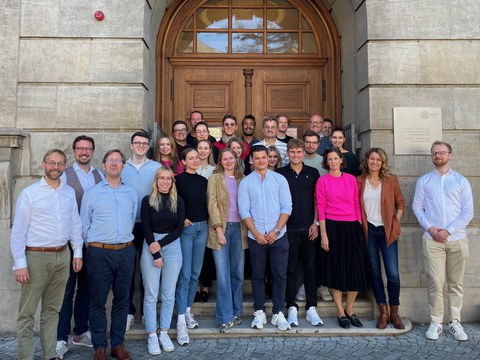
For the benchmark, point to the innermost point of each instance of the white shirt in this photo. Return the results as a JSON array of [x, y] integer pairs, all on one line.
[[87, 180], [444, 201], [373, 203], [45, 217]]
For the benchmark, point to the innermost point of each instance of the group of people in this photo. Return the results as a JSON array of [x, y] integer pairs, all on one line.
[[306, 208]]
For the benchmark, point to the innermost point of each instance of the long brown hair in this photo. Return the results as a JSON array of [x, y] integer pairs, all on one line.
[[220, 169], [384, 172], [173, 155]]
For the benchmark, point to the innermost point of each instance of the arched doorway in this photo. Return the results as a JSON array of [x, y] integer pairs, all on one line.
[[260, 57]]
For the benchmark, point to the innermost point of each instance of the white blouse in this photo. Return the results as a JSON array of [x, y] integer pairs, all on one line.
[[373, 204]]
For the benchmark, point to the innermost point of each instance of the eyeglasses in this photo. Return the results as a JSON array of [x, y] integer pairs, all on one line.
[[114, 161], [176, 131], [311, 142], [82, 149], [440, 153], [53, 163], [140, 143]]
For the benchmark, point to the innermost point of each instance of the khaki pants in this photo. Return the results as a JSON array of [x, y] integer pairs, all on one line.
[[48, 277], [447, 259]]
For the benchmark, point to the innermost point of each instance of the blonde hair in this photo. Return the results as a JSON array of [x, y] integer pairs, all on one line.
[[155, 200], [384, 172], [220, 169]]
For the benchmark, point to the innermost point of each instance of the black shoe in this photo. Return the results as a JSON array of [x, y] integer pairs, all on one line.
[[205, 296], [354, 320], [198, 297], [343, 322]]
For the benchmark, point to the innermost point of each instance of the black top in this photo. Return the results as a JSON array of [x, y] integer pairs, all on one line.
[[302, 189], [286, 140], [193, 189], [162, 221]]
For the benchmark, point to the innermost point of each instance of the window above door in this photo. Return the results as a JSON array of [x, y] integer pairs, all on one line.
[[247, 27]]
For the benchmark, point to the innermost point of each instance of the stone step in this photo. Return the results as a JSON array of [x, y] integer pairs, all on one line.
[[209, 329]]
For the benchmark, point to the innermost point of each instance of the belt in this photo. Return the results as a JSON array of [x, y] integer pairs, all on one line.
[[110, 246], [46, 249]]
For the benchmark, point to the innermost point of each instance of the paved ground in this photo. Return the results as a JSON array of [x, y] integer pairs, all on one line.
[[412, 345]]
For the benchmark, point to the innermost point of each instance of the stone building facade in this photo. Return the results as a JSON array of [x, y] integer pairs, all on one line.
[[63, 73]]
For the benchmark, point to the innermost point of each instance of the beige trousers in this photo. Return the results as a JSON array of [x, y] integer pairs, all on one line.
[[445, 262], [48, 277]]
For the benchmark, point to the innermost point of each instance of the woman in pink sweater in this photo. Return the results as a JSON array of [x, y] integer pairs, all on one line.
[[342, 236]]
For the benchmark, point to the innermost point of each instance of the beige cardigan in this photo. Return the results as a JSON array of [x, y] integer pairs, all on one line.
[[217, 198]]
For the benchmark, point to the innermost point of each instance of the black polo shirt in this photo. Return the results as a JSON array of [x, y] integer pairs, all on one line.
[[302, 188]]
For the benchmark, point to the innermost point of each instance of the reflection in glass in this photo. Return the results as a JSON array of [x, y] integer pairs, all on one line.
[[185, 44], [217, 2], [282, 43], [277, 2], [247, 2], [247, 18], [189, 24], [286, 19], [308, 44], [212, 42], [247, 43], [212, 18], [305, 24]]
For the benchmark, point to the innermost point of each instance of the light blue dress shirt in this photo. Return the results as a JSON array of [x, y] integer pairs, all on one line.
[[444, 201], [140, 179], [264, 201], [108, 213]]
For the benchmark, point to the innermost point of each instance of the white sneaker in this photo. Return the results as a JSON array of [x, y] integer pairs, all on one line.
[[313, 317], [182, 334], [259, 320], [292, 316], [323, 292], [61, 349], [433, 331], [280, 322], [166, 342], [191, 322], [84, 339], [456, 329], [301, 293], [153, 346], [130, 320]]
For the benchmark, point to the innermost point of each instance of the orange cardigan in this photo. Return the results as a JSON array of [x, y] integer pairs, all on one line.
[[392, 200]]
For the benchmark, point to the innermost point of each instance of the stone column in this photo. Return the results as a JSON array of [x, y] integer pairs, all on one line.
[[11, 160]]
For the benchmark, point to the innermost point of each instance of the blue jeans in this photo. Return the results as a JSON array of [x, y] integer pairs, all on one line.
[[79, 307], [109, 269], [172, 262], [377, 243], [229, 264], [278, 253], [192, 240]]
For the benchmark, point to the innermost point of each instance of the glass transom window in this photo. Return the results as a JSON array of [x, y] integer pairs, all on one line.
[[247, 27]]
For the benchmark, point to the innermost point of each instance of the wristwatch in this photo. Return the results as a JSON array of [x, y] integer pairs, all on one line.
[[317, 223], [277, 231]]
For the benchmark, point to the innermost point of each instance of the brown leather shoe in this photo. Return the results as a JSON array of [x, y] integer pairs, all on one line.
[[383, 317], [120, 353], [100, 354], [395, 317]]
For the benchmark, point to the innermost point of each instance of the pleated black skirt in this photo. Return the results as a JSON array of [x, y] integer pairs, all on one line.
[[347, 258]]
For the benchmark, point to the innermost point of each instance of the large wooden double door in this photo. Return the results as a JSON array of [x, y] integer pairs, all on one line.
[[259, 57], [261, 91]]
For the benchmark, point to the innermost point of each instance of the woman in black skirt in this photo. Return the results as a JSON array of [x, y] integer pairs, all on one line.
[[342, 236]]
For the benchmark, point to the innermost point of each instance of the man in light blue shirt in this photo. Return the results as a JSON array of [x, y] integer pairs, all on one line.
[[265, 203], [138, 173], [108, 215], [443, 205]]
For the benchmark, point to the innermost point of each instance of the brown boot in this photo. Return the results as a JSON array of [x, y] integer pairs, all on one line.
[[395, 317], [383, 318]]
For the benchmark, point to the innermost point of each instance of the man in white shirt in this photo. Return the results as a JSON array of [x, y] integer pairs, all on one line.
[[443, 205], [46, 218], [270, 129]]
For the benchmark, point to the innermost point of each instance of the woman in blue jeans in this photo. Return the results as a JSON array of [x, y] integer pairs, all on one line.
[[227, 237], [382, 208], [193, 189], [163, 215]]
